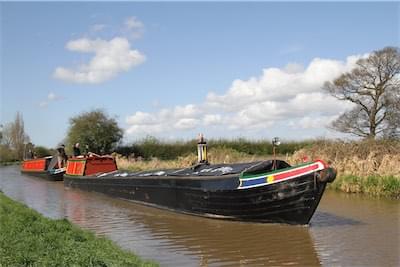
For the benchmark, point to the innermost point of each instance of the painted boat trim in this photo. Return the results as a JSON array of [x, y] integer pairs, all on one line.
[[282, 175]]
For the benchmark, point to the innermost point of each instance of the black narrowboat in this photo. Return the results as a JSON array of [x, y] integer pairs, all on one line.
[[268, 191]]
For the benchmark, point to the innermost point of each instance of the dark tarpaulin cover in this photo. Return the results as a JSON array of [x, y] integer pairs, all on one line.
[[205, 170]]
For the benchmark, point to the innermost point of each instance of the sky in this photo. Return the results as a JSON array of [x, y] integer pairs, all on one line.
[[175, 69]]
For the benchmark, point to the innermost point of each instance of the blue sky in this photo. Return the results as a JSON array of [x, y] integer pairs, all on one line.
[[173, 70]]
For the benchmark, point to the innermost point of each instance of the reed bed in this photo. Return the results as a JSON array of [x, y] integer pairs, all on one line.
[[363, 159], [371, 167]]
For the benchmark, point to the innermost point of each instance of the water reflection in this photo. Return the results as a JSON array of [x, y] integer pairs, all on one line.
[[326, 219], [343, 232], [372, 240], [196, 240]]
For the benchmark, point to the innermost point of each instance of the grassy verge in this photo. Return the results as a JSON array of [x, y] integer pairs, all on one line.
[[388, 186], [29, 239]]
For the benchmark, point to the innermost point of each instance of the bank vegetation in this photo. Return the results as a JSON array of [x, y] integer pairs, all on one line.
[[29, 239]]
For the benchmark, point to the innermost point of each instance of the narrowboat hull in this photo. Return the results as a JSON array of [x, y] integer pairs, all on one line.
[[291, 201], [46, 175]]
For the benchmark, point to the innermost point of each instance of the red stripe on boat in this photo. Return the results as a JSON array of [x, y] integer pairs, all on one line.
[[295, 172], [34, 165]]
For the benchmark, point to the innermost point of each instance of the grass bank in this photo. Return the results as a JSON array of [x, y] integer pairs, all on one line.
[[29, 239], [388, 186]]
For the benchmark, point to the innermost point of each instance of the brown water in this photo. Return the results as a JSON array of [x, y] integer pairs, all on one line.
[[347, 230]]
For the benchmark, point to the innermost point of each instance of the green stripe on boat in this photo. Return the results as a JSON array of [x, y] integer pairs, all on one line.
[[244, 176]]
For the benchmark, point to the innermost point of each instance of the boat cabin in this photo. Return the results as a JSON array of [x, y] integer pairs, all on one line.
[[83, 166], [36, 165]]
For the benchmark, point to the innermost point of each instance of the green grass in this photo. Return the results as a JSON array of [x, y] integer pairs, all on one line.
[[29, 239], [388, 186]]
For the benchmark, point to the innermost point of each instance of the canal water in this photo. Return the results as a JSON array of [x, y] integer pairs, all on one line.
[[346, 230]]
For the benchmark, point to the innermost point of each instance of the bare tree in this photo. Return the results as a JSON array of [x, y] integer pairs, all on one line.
[[374, 87], [6, 135], [14, 135]]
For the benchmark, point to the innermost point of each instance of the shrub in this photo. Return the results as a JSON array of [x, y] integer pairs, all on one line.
[[151, 147]]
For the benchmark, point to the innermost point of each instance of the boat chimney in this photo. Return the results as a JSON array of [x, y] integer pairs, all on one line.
[[275, 143], [201, 149]]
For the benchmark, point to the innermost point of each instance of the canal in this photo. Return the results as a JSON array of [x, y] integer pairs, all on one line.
[[346, 230]]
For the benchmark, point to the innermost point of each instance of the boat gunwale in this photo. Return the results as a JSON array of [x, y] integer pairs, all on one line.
[[240, 175]]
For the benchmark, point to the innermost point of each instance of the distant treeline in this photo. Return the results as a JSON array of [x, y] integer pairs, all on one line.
[[10, 155], [151, 147]]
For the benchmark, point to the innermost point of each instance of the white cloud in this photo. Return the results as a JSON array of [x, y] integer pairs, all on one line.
[[290, 96], [133, 27], [142, 118], [43, 104], [312, 122], [111, 57], [186, 111], [280, 84], [97, 27], [186, 124], [212, 119], [133, 23], [51, 97], [178, 118]]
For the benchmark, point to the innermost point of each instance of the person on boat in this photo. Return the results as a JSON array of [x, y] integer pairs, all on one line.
[[61, 156], [31, 154], [77, 151]]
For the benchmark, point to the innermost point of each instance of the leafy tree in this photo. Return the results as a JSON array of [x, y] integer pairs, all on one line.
[[95, 130], [374, 88], [41, 151]]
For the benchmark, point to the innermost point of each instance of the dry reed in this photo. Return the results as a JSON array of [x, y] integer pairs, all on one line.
[[371, 167], [367, 158]]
